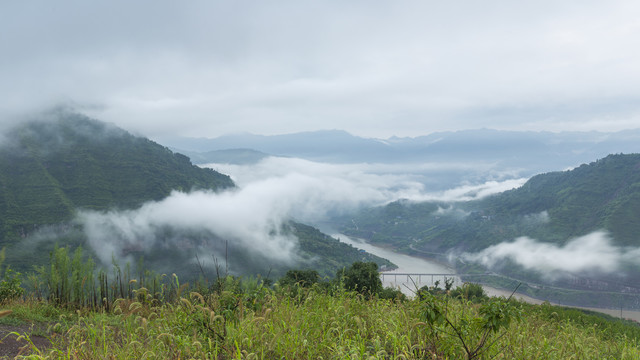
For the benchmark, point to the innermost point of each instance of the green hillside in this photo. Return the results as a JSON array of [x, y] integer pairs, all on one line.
[[552, 207], [326, 254], [50, 168]]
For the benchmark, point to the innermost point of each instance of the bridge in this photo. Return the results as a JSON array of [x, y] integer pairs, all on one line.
[[419, 275], [417, 278], [426, 278]]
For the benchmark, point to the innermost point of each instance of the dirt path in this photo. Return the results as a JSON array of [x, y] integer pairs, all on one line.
[[11, 346]]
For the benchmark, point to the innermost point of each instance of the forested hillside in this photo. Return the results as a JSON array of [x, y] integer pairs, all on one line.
[[554, 207], [50, 168]]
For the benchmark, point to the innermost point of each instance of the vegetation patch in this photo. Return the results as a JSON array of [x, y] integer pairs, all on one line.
[[301, 316]]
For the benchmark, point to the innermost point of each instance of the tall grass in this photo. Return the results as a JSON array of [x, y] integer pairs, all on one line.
[[95, 314], [72, 280], [319, 325]]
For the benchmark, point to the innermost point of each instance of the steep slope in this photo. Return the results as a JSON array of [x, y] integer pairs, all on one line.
[[50, 168], [602, 195]]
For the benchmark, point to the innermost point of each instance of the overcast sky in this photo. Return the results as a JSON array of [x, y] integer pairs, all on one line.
[[373, 68]]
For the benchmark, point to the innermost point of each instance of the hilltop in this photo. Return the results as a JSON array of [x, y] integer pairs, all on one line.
[[50, 168]]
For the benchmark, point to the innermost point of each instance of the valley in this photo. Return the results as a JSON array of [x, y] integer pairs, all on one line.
[[420, 265], [94, 218], [399, 180], [143, 201]]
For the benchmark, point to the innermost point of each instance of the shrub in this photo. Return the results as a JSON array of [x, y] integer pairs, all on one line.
[[392, 294], [470, 291], [436, 289], [10, 286], [303, 278], [361, 277], [475, 334]]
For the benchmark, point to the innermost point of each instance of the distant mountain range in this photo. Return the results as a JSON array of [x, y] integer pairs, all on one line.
[[227, 156], [528, 152], [51, 169]]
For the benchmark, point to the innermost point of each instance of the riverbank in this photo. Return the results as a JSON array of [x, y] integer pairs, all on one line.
[[421, 265], [618, 313]]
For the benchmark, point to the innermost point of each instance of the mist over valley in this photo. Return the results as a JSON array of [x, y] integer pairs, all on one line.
[[572, 226], [328, 179], [71, 180], [440, 160]]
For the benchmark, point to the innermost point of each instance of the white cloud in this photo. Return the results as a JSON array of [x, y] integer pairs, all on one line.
[[539, 218], [592, 253], [472, 192], [451, 210], [249, 218], [270, 192], [370, 184]]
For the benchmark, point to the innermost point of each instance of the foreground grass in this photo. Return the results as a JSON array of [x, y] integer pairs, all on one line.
[[313, 325]]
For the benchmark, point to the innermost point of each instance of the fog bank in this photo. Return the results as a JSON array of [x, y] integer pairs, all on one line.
[[594, 253], [250, 217]]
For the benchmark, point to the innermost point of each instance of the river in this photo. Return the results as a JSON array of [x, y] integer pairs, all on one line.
[[415, 265], [406, 265]]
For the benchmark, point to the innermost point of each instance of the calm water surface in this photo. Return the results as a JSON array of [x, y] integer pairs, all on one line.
[[406, 265], [415, 265]]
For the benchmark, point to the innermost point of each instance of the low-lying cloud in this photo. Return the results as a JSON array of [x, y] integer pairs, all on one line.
[[250, 218], [538, 218], [471, 192], [270, 193], [592, 253], [375, 184]]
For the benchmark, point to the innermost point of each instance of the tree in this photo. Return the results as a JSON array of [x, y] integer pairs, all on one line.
[[361, 277]]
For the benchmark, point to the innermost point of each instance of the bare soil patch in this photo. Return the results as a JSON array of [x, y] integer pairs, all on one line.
[[11, 346]]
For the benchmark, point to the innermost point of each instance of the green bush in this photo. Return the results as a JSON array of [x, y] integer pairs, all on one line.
[[361, 277], [392, 294], [470, 291], [303, 278], [475, 333], [436, 289], [10, 286]]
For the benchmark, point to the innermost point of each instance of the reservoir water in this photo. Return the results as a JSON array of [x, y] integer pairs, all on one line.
[[414, 265], [406, 265]]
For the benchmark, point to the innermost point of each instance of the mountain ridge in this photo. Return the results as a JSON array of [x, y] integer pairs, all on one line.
[[523, 153]]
